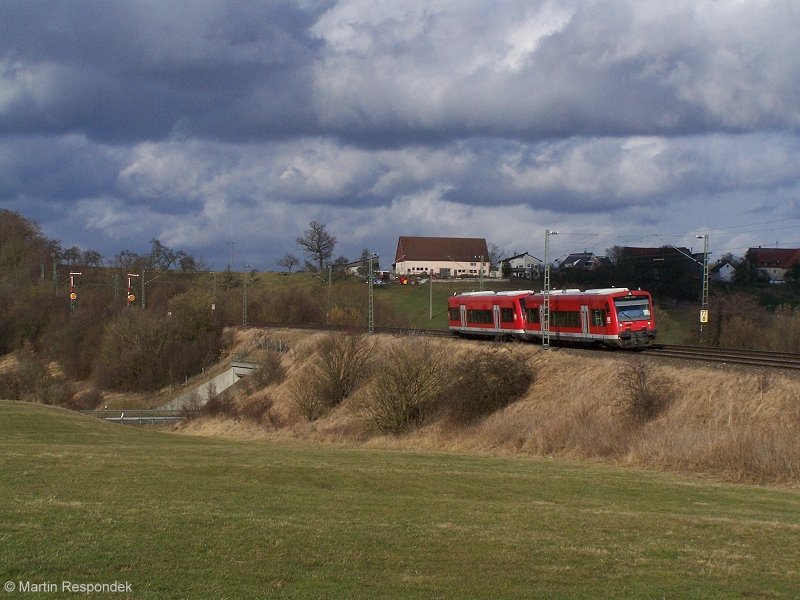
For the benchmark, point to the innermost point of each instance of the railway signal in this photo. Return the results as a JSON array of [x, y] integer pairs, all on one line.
[[131, 297], [73, 296]]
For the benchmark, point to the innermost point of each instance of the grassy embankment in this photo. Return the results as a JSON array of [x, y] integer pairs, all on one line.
[[178, 516]]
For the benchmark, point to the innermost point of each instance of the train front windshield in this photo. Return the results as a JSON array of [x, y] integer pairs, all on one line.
[[632, 309]]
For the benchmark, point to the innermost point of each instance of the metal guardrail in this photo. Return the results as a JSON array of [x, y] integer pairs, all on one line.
[[138, 417]]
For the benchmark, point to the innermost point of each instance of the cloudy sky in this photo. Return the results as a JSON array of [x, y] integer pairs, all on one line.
[[202, 123]]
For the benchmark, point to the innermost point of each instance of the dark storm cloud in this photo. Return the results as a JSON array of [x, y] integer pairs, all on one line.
[[207, 121], [147, 70], [392, 73]]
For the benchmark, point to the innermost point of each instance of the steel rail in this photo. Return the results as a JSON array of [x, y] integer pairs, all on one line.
[[752, 358]]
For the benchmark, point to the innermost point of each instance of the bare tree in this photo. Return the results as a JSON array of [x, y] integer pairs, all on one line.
[[495, 255], [72, 255], [317, 243], [289, 262], [91, 258], [130, 261], [614, 253]]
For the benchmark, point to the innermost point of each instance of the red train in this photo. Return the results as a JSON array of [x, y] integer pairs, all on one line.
[[616, 317]]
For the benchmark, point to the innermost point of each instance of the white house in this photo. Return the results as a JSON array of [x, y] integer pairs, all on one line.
[[723, 272], [441, 256], [522, 265]]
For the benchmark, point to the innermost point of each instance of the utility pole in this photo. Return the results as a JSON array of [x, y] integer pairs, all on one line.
[[55, 276], [330, 285], [214, 291], [244, 298], [704, 296], [430, 295], [231, 245], [546, 304], [480, 275], [143, 284], [371, 309]]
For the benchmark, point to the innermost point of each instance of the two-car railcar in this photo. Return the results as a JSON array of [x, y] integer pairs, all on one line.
[[612, 316]]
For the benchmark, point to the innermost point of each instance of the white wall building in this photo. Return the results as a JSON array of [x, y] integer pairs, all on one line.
[[444, 257]]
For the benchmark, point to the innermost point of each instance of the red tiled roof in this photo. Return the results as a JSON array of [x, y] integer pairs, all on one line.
[[781, 258], [635, 252], [440, 248]]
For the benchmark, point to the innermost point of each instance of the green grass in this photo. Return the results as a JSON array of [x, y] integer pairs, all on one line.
[[189, 517], [414, 301]]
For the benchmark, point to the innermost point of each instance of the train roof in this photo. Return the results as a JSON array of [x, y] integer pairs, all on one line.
[[594, 292], [565, 292], [502, 293]]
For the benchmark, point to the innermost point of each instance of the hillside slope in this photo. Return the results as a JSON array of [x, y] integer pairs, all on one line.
[[735, 424]]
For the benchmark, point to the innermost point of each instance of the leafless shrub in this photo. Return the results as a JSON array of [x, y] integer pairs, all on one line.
[[258, 409], [31, 381], [489, 380], [305, 401], [220, 405], [88, 399], [408, 388], [270, 371], [191, 409], [343, 363], [644, 396]]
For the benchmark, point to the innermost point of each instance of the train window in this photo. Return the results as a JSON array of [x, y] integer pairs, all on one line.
[[598, 317], [565, 318], [455, 314], [479, 316], [533, 314], [507, 315], [632, 308]]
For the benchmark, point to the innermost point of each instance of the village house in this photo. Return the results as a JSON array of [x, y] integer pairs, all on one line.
[[773, 262], [523, 265], [441, 256]]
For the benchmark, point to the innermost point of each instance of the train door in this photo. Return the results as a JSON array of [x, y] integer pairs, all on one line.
[[496, 316], [585, 321], [462, 311]]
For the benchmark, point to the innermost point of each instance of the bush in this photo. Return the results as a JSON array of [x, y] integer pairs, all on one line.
[[31, 381], [343, 363], [644, 395], [304, 398], [219, 405], [258, 409], [408, 388], [270, 371], [85, 400], [142, 352], [489, 380]]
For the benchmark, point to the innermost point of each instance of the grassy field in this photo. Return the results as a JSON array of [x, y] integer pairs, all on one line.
[[187, 517]]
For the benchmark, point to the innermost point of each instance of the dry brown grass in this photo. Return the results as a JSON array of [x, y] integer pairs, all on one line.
[[736, 425]]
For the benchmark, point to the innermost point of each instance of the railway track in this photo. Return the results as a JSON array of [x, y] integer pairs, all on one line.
[[751, 358]]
